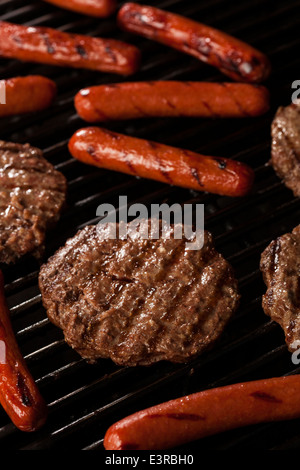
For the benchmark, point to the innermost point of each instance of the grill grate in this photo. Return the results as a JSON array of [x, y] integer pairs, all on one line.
[[83, 399]]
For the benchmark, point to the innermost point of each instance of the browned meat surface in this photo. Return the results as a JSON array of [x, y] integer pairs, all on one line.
[[280, 265], [138, 301], [32, 194], [286, 146]]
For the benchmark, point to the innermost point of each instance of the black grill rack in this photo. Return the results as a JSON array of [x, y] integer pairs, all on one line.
[[85, 399]]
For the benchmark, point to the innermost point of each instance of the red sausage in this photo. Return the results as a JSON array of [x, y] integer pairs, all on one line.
[[147, 159], [98, 8], [233, 57], [205, 413], [19, 394], [27, 94], [49, 46], [172, 99]]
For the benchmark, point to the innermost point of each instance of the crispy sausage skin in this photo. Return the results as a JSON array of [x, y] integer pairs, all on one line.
[[146, 159], [206, 413], [19, 394], [231, 56], [50, 46], [171, 99], [27, 94], [97, 8]]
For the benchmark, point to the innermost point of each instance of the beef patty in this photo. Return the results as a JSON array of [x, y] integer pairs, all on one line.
[[138, 301], [32, 194], [280, 265], [286, 146]]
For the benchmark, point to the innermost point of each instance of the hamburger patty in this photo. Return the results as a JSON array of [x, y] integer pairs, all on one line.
[[280, 265], [32, 194], [286, 146], [138, 301]]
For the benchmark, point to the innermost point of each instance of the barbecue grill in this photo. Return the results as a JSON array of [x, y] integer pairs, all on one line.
[[84, 400]]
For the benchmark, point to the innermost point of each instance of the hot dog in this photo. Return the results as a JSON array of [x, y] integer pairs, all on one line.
[[205, 413], [19, 394], [233, 57], [97, 8], [49, 46], [146, 159], [27, 94], [171, 98]]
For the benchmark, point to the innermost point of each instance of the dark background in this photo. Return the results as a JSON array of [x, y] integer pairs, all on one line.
[[83, 399]]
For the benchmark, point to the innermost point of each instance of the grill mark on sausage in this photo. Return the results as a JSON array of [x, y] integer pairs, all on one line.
[[239, 105], [195, 175], [265, 397], [110, 52], [128, 162], [80, 49], [209, 108], [24, 390], [141, 112], [161, 169], [49, 45]]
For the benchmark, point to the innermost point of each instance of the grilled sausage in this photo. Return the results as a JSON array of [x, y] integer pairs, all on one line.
[[146, 159], [97, 8], [205, 413], [27, 94], [49, 46], [231, 56], [19, 394], [171, 98]]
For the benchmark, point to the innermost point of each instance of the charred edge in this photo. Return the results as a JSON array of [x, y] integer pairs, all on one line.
[[111, 134], [133, 17], [222, 164], [179, 416], [275, 250], [81, 51], [91, 151], [195, 175], [129, 446], [266, 397], [152, 144], [24, 391]]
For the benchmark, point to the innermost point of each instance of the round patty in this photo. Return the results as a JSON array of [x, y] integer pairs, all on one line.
[[138, 301], [286, 146], [280, 265], [32, 194]]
